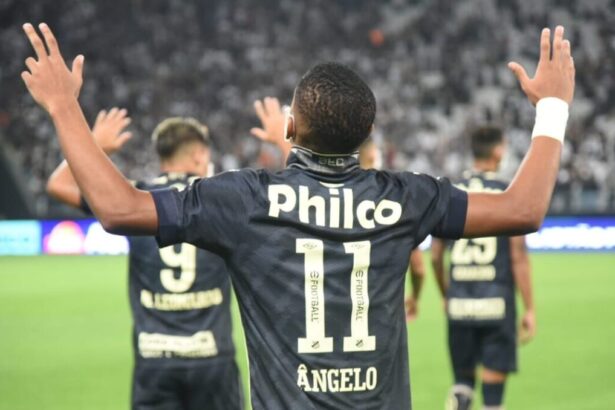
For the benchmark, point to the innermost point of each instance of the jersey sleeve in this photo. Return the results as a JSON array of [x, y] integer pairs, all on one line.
[[441, 207], [209, 213]]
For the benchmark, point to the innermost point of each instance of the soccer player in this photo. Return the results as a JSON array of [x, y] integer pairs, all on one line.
[[179, 295], [480, 291], [318, 251]]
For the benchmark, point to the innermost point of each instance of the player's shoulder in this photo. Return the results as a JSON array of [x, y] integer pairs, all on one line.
[[473, 181], [417, 187], [397, 176], [413, 179], [238, 176], [242, 182]]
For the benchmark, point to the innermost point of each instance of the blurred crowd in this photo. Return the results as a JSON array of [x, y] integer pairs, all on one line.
[[438, 69]]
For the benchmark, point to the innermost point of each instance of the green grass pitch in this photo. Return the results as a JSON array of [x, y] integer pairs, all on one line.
[[65, 336]]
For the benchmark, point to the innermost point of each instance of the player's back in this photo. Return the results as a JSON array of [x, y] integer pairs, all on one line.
[[180, 297], [481, 285], [318, 254]]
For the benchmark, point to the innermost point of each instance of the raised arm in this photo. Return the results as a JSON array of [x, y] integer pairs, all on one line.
[[110, 136], [521, 268], [116, 203], [62, 186], [522, 207]]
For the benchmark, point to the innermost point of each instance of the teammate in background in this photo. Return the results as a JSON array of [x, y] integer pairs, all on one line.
[[318, 251], [480, 291], [370, 157], [179, 295], [271, 115]]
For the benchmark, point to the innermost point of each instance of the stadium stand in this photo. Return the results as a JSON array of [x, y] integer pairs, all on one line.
[[438, 68]]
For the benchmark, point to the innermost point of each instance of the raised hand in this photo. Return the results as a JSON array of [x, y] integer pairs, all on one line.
[[272, 120], [555, 72], [109, 131], [48, 79]]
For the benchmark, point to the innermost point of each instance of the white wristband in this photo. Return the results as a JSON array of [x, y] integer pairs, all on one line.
[[551, 118]]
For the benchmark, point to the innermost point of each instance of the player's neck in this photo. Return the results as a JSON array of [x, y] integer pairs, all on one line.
[[486, 165]]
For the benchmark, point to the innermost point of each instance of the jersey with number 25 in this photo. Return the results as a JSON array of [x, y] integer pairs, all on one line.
[[317, 253], [481, 287]]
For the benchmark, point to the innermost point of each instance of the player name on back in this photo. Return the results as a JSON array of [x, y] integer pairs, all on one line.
[[336, 211], [181, 301], [351, 379]]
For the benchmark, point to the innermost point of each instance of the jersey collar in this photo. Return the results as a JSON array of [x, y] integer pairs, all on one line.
[[327, 164]]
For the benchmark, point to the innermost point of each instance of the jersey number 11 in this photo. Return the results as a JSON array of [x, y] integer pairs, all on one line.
[[315, 340]]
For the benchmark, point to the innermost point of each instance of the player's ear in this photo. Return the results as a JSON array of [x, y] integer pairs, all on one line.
[[289, 126]]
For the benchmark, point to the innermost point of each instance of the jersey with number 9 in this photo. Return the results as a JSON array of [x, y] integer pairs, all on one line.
[[180, 298]]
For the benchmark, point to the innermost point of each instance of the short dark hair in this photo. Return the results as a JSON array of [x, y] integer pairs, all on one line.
[[484, 140], [172, 133], [337, 106]]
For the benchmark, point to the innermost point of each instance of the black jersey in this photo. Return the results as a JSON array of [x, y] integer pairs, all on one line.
[[179, 297], [318, 254], [481, 284]]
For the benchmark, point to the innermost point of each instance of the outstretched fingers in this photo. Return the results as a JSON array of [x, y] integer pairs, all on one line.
[[31, 64], [77, 68], [123, 138], [272, 105], [35, 40], [565, 50], [566, 57], [112, 113], [26, 77], [519, 72], [545, 45], [125, 120], [121, 118], [558, 39], [102, 114], [259, 133], [260, 110], [50, 40], [116, 117]]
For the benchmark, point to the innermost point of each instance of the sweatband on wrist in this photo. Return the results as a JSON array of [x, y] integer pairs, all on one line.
[[551, 118]]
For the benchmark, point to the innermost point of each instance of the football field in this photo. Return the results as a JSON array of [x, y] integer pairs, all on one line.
[[66, 344]]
